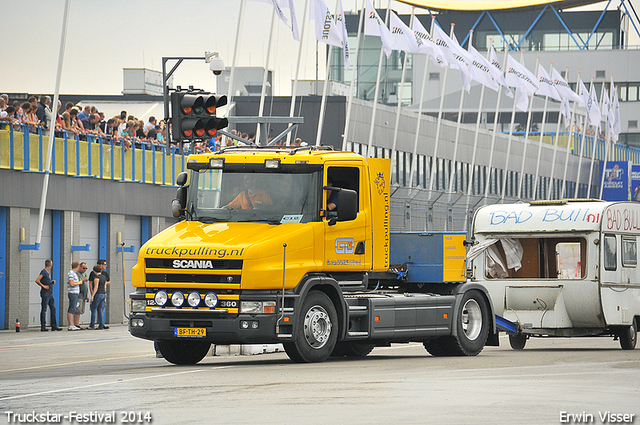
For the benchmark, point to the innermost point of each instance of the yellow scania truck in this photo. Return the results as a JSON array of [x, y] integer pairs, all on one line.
[[294, 246]]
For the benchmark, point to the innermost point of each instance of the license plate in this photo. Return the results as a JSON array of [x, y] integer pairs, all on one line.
[[197, 332]]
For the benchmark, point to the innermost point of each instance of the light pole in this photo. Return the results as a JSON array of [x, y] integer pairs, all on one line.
[[216, 66]]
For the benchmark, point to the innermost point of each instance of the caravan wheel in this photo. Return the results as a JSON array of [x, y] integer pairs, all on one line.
[[629, 336]]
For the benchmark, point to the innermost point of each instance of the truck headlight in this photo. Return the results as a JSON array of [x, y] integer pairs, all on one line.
[[194, 299], [257, 307], [161, 298], [138, 305], [177, 299], [211, 300]]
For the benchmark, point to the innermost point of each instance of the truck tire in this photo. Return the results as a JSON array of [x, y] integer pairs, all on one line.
[[183, 352], [439, 347], [352, 349], [629, 336], [316, 330], [472, 325], [518, 341]]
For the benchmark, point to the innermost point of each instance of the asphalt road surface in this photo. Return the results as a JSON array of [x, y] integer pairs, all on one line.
[[110, 377]]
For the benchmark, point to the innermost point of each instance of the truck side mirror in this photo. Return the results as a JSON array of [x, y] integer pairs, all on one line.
[[179, 203], [347, 205], [181, 179]]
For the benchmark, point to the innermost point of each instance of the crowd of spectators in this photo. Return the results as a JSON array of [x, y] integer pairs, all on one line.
[[82, 122], [88, 123]]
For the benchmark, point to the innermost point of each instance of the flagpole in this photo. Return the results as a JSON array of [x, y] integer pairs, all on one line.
[[264, 78], [456, 140], [325, 88], [414, 159], [377, 91], [555, 145], [487, 182], [510, 140], [432, 171], [606, 147], [544, 117], [564, 190], [295, 80], [399, 107], [472, 166], [52, 124], [235, 55], [526, 138], [345, 134], [582, 144], [596, 137]]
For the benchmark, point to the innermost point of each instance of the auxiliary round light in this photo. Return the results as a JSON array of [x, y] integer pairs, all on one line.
[[211, 300], [194, 299], [161, 298], [177, 299]]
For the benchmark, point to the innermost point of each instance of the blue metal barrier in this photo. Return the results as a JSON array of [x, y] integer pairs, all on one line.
[[84, 157]]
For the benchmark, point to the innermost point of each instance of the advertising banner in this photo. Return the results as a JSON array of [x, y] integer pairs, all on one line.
[[617, 180], [635, 183], [492, 4]]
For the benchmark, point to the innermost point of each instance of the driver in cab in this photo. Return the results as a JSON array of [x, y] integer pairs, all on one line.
[[251, 197]]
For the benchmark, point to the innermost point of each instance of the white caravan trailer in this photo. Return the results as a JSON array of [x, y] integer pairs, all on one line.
[[561, 268]]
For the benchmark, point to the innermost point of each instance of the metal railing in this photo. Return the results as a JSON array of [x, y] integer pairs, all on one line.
[[95, 157]]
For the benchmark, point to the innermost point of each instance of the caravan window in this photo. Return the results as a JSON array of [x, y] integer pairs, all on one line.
[[537, 258], [610, 253], [629, 252]]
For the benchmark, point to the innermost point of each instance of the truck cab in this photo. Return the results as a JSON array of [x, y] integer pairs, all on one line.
[[291, 246]]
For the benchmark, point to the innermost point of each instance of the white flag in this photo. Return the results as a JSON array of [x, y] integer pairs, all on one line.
[[617, 128], [326, 29], [278, 5], [342, 26], [497, 73], [481, 70], [591, 103], [464, 63], [523, 80], [402, 35], [294, 22], [373, 25], [427, 45], [606, 108], [546, 86], [566, 112], [456, 55], [563, 88]]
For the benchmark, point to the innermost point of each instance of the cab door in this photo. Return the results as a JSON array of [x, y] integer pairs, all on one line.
[[347, 244]]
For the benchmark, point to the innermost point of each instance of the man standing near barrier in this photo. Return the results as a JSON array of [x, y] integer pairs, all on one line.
[[83, 295], [73, 290], [46, 293]]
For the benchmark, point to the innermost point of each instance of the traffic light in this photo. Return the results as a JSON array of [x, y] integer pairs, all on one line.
[[194, 114]]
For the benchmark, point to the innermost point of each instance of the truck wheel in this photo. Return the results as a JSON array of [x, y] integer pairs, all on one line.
[[183, 352], [438, 347], [472, 325], [629, 336], [518, 341], [316, 330], [352, 349]]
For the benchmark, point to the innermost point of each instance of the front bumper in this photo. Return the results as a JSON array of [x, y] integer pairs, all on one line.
[[219, 329]]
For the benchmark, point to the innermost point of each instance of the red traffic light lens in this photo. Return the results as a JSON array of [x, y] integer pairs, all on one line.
[[187, 133]]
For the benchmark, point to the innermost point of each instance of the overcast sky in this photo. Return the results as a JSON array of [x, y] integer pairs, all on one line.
[[105, 36]]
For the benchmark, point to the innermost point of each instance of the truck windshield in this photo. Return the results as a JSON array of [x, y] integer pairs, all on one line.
[[245, 196]]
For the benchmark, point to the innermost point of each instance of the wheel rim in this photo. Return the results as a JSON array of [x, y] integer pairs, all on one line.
[[317, 326], [471, 319]]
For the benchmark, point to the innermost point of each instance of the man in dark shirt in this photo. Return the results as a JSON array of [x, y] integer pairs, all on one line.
[[41, 112], [46, 293], [103, 265]]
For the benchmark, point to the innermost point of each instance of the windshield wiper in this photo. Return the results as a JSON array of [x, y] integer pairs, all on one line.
[[262, 220]]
